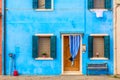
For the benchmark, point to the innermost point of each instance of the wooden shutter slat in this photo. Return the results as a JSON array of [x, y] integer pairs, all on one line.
[[90, 46], [53, 46], [107, 4], [90, 4], [35, 4], [107, 46], [47, 4], [35, 43]]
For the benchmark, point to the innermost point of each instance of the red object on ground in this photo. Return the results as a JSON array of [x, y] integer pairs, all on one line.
[[15, 73]]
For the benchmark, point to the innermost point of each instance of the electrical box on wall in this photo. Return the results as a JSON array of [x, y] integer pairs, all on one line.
[[117, 1]]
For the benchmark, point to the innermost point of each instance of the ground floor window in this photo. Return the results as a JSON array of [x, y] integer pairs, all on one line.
[[44, 46], [99, 46]]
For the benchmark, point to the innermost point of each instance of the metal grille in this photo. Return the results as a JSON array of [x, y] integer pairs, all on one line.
[[97, 66]]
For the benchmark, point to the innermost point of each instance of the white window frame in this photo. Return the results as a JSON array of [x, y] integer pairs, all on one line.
[[98, 58], [44, 35]]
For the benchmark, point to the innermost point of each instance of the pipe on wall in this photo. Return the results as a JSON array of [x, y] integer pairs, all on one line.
[[4, 38]]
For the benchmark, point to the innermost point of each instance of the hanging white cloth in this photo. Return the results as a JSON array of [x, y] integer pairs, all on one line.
[[99, 13]]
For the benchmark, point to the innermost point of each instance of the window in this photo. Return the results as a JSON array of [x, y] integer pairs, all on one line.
[[44, 46], [99, 4], [99, 46], [43, 4]]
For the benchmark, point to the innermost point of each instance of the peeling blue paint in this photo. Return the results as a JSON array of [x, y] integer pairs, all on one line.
[[23, 22]]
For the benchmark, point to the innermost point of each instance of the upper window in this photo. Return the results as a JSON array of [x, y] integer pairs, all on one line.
[[99, 4], [44, 46], [43, 4], [99, 46]]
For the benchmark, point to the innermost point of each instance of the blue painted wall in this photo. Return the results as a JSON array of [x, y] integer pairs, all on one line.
[[23, 22]]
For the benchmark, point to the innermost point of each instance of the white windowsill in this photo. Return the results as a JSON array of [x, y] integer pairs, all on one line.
[[40, 58], [44, 35], [96, 58], [43, 9], [98, 34], [98, 9]]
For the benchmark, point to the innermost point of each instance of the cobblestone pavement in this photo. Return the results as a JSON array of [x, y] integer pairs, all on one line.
[[59, 78]]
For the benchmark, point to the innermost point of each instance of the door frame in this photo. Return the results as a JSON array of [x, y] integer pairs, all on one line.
[[62, 57]]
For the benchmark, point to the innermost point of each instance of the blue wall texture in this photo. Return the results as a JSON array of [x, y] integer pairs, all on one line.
[[68, 15]]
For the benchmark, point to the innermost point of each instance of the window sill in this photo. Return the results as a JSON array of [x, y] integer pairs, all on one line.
[[99, 9], [98, 34], [40, 58], [44, 35], [95, 58], [43, 9]]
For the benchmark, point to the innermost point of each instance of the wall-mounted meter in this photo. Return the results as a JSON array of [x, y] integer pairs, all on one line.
[[117, 1]]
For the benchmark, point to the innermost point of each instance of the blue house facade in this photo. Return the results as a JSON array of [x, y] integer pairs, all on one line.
[[43, 27]]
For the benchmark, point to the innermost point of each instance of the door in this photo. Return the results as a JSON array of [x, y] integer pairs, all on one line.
[[66, 55]]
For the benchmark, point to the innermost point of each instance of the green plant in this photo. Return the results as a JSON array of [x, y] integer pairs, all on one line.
[[43, 53]]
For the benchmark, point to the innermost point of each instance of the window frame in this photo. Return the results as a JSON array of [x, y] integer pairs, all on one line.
[[52, 7], [98, 58], [41, 58]]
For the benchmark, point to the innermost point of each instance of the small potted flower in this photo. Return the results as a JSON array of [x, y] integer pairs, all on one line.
[[44, 55]]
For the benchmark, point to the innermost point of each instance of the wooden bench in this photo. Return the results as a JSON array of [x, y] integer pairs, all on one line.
[[97, 66]]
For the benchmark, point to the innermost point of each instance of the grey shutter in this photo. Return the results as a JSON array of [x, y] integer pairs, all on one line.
[[35, 42], [53, 46], [35, 4], [98, 46], [47, 4], [90, 4], [107, 46], [90, 46], [107, 4]]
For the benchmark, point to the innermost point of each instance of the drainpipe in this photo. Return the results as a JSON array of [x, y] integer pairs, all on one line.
[[4, 38]]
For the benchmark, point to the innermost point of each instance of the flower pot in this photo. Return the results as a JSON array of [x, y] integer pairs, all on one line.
[[44, 56]]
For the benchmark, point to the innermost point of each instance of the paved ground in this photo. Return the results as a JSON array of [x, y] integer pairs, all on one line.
[[60, 78]]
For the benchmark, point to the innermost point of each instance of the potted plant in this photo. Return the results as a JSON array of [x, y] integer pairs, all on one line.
[[44, 55]]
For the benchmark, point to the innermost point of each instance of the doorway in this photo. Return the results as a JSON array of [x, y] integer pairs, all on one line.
[[67, 68]]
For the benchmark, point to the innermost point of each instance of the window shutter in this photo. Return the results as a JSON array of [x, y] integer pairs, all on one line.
[[47, 4], [90, 46], [107, 4], [35, 44], [53, 46], [35, 4], [90, 4], [107, 46]]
